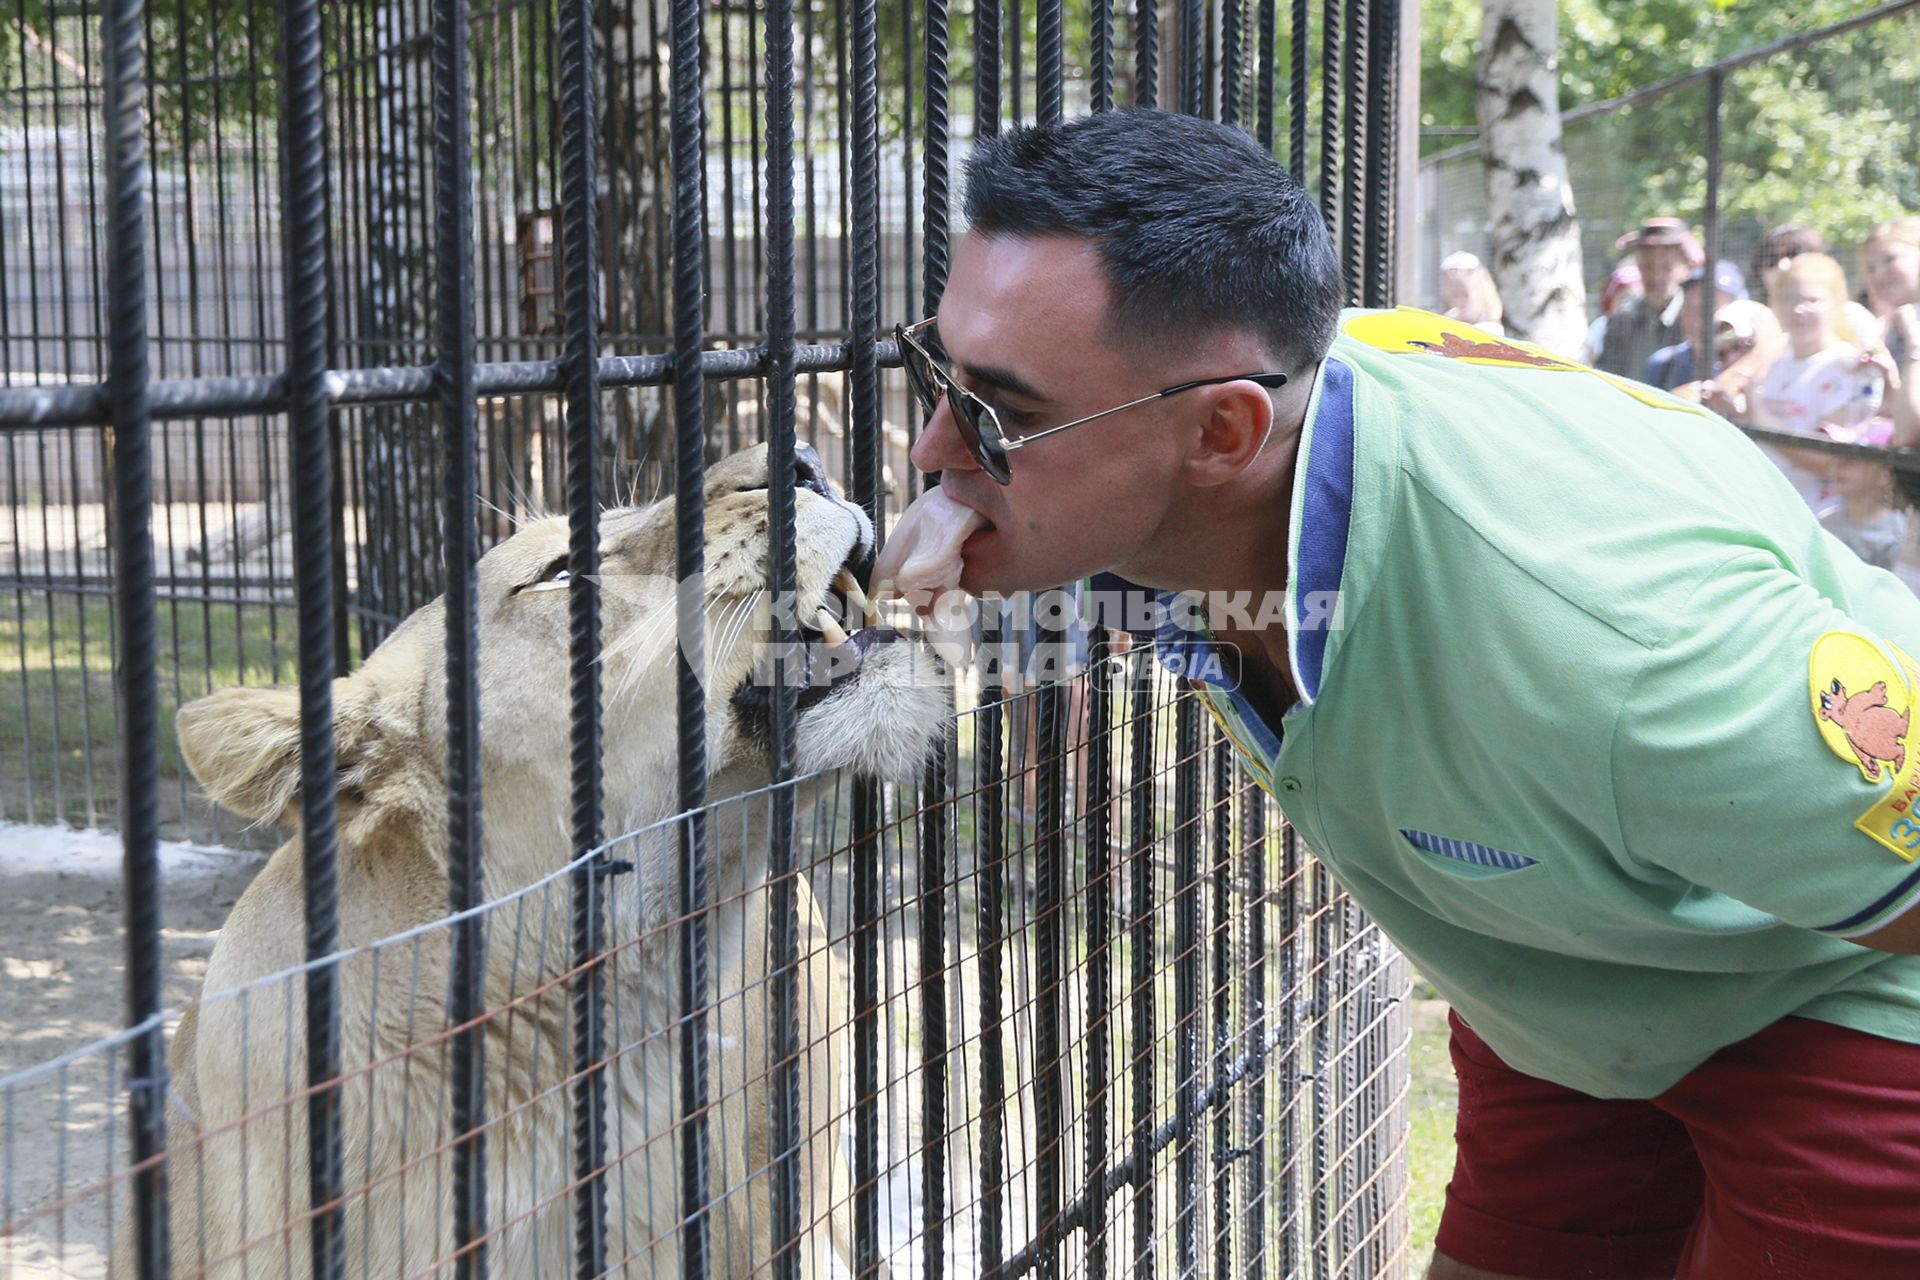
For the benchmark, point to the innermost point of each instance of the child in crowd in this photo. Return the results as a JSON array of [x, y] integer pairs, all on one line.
[[1776, 252], [1863, 512], [1817, 379], [1467, 292]]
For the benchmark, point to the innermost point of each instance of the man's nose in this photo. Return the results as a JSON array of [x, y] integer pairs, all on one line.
[[940, 447]]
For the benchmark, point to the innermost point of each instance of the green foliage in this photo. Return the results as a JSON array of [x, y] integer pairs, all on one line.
[[1820, 136]]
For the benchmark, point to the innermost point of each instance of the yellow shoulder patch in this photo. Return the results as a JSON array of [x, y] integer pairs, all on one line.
[[1415, 332], [1862, 702]]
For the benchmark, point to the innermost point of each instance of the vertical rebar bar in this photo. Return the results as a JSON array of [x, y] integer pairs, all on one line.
[[689, 505], [1298, 34], [1100, 19], [1292, 945], [1099, 929], [1265, 74], [784, 1127], [1146, 53], [580, 269], [1141, 911], [1383, 73], [1257, 1177], [1219, 885], [1186, 978], [986, 69], [863, 319], [460, 484], [1232, 57], [1354, 170], [1332, 19], [1193, 52], [935, 798], [134, 600], [1050, 50], [303, 218], [1049, 945]]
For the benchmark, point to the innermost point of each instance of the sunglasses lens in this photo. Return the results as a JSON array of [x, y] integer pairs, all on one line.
[[982, 436], [920, 375]]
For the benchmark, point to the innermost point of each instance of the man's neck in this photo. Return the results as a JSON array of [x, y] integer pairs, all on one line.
[[1232, 537]]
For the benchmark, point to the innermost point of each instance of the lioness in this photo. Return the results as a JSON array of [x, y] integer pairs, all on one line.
[[238, 1126]]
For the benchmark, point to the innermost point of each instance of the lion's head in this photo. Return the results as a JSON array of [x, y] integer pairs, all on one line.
[[875, 702]]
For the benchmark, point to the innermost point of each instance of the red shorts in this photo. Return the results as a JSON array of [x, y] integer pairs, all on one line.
[[1794, 1153]]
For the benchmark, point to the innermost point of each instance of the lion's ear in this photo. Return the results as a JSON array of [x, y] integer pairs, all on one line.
[[243, 745]]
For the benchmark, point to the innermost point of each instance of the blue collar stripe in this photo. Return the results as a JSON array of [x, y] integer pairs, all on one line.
[[1326, 512]]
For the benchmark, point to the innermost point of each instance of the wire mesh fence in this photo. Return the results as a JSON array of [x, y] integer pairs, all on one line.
[[301, 307], [1230, 1029]]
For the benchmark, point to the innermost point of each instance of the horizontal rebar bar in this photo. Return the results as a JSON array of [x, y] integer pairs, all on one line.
[[32, 408]]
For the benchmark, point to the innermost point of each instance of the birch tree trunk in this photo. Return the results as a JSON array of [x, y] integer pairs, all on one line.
[[1536, 240]]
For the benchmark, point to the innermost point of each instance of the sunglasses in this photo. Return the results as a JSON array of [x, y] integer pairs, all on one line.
[[979, 425]]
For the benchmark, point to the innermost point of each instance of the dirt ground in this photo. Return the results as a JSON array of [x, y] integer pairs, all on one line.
[[61, 967]]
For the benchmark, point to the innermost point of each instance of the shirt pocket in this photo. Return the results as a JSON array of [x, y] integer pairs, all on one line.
[[1466, 859]]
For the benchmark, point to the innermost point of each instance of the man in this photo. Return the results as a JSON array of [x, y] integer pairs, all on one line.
[[1674, 366], [1565, 686], [1665, 252]]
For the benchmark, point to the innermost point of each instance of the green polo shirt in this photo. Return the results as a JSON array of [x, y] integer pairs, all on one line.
[[1596, 721]]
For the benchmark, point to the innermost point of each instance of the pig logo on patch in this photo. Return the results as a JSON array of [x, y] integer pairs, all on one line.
[[1873, 729]]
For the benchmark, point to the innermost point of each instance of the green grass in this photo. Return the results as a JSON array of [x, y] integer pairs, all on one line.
[[59, 729]]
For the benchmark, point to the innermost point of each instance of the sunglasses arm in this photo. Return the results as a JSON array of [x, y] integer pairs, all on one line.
[[1264, 379]]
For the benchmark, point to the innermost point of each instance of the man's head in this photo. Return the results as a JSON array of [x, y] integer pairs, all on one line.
[[1665, 251], [1107, 258]]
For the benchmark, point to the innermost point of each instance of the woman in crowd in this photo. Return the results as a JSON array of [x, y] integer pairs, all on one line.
[[1467, 292], [1890, 264], [1818, 379]]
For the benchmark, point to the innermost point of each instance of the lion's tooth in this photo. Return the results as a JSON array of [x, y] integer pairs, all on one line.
[[830, 628], [849, 586]]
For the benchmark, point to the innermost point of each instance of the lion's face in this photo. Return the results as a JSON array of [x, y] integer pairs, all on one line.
[[875, 704]]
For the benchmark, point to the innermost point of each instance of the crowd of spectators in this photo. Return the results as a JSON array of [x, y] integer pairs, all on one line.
[[1798, 349]]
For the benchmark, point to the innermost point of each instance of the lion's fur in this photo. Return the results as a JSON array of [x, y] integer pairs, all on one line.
[[239, 1117]]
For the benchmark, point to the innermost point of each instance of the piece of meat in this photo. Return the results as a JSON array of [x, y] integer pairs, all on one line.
[[921, 562]]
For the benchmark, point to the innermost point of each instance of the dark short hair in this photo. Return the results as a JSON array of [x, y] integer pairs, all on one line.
[[1199, 230]]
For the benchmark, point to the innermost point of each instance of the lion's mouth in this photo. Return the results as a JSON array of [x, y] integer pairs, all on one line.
[[835, 641]]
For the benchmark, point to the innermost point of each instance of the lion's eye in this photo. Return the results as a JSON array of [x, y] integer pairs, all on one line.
[[556, 574]]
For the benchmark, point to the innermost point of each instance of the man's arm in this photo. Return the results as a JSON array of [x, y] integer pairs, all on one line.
[[1748, 759]]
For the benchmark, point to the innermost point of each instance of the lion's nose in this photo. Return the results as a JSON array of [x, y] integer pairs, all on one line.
[[809, 472]]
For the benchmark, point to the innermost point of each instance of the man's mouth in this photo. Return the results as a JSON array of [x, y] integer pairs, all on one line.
[[974, 507]]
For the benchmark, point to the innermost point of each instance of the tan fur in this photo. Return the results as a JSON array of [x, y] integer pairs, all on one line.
[[239, 1119]]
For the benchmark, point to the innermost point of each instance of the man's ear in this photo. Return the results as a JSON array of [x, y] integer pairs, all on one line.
[[1238, 419], [243, 746]]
